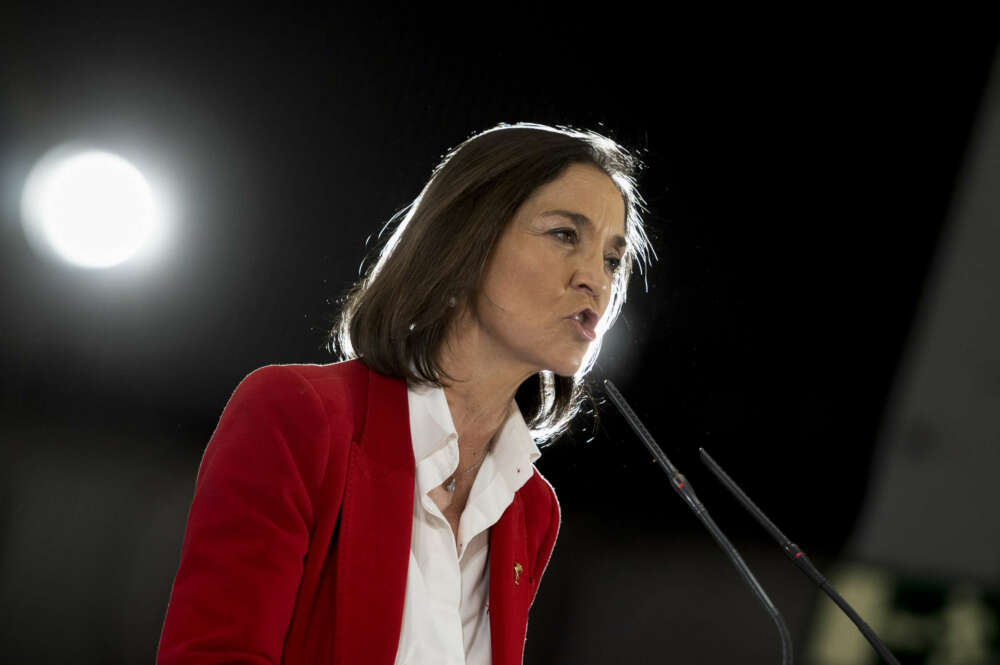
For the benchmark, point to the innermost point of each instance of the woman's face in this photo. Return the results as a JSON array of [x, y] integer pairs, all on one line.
[[549, 279]]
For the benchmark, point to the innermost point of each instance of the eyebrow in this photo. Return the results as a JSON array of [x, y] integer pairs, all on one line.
[[580, 219]]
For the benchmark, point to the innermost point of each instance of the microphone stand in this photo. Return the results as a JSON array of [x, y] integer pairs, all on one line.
[[798, 557], [682, 487]]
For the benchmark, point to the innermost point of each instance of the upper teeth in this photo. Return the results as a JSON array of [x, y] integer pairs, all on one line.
[[579, 317]]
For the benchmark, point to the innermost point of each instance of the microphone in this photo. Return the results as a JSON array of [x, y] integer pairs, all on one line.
[[798, 557], [683, 487]]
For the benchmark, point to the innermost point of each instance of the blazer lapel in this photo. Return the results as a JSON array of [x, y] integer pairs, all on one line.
[[510, 589], [373, 546]]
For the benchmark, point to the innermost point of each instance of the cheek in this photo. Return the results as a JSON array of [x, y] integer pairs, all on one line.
[[525, 285]]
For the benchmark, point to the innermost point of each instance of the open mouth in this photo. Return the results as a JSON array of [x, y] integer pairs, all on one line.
[[586, 321]]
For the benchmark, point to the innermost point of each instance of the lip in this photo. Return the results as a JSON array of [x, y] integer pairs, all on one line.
[[588, 328], [591, 336]]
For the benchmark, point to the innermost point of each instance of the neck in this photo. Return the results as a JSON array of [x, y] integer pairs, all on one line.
[[483, 386]]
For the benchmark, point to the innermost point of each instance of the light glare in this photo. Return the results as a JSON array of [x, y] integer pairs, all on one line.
[[93, 208]]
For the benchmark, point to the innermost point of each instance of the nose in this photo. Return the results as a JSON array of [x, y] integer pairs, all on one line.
[[591, 277]]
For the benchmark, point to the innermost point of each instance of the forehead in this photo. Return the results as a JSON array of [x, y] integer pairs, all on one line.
[[585, 189]]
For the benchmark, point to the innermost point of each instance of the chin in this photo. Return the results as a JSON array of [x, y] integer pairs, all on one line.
[[573, 361], [565, 361], [567, 368]]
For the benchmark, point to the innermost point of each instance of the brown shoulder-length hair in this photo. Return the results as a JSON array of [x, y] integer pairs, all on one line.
[[398, 315]]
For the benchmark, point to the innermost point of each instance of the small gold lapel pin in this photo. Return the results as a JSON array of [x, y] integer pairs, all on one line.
[[517, 573]]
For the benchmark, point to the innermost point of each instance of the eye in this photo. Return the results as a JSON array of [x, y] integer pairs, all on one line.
[[613, 262], [565, 235]]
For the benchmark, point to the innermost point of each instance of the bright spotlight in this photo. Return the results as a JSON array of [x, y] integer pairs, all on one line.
[[93, 208]]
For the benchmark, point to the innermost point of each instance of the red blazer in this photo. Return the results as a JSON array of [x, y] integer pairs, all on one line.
[[298, 537]]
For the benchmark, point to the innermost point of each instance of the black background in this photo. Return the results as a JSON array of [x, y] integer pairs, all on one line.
[[797, 182]]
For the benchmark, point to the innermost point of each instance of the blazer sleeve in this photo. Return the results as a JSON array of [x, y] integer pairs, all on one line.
[[249, 525]]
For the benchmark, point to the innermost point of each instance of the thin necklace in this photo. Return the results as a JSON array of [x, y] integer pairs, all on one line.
[[450, 485]]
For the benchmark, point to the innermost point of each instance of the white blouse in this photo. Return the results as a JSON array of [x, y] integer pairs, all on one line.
[[445, 612]]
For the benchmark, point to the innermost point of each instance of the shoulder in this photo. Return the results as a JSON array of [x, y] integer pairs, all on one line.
[[337, 391], [342, 379]]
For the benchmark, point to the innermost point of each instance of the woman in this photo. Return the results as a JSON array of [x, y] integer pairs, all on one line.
[[385, 509]]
